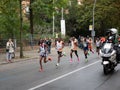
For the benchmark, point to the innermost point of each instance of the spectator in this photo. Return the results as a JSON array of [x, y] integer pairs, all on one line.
[[48, 42], [9, 50]]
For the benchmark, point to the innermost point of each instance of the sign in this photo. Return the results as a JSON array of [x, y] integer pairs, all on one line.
[[63, 29], [56, 35], [90, 27]]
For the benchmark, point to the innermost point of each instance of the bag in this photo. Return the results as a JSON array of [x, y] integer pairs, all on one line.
[[7, 50]]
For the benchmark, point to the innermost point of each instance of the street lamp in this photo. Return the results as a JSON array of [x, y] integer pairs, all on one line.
[[93, 31]]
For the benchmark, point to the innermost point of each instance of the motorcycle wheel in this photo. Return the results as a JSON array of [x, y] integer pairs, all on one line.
[[105, 70]]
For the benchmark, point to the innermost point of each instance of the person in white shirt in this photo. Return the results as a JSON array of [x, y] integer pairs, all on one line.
[[43, 53], [59, 47], [9, 50]]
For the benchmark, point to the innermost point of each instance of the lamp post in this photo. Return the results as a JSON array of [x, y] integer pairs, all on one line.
[[93, 31]]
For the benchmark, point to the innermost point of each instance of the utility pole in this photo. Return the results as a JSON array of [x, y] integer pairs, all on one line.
[[53, 19], [93, 31], [21, 27]]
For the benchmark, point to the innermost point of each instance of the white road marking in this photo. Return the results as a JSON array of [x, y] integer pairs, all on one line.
[[62, 76]]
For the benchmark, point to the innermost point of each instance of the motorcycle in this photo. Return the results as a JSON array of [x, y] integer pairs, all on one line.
[[108, 54]]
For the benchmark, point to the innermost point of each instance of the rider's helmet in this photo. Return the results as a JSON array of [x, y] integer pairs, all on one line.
[[114, 31], [111, 31]]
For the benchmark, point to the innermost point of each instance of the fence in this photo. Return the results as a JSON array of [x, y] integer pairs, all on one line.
[[27, 44]]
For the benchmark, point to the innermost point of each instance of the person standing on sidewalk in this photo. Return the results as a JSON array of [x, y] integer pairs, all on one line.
[[43, 54], [74, 47], [48, 42], [59, 46], [9, 50]]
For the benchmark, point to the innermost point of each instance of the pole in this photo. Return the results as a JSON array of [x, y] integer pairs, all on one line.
[[53, 21], [62, 14], [53, 24], [93, 31]]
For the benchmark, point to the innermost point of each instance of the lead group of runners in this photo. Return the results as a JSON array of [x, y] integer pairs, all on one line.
[[59, 45]]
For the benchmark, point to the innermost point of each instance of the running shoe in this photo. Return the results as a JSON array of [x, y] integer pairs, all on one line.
[[10, 61], [41, 70], [88, 53], [86, 60], [57, 64], [78, 59], [64, 54], [49, 58], [71, 60]]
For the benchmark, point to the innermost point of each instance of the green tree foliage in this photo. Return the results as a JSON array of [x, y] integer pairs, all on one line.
[[107, 16], [9, 18], [43, 14]]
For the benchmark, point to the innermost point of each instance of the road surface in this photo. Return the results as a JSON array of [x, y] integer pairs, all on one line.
[[81, 75]]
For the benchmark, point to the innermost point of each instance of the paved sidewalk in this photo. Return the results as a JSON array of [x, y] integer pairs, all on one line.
[[28, 55], [32, 54]]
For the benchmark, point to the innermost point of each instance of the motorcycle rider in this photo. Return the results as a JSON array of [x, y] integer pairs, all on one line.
[[112, 35], [117, 48]]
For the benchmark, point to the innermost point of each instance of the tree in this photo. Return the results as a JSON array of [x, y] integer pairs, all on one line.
[[106, 16], [43, 14], [9, 18]]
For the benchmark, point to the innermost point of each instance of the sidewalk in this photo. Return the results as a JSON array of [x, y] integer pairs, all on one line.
[[28, 55], [32, 54]]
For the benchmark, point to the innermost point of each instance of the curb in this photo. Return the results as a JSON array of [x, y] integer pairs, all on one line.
[[18, 60]]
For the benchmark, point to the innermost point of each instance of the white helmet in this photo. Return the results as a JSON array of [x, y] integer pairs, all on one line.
[[113, 31]]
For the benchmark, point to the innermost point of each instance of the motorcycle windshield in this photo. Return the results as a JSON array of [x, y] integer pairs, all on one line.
[[107, 48]]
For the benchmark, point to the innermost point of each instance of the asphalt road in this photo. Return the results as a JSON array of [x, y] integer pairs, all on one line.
[[76, 76]]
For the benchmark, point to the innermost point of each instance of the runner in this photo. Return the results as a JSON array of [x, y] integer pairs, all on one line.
[[97, 45], [85, 48], [59, 47], [90, 45], [43, 54], [74, 45]]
